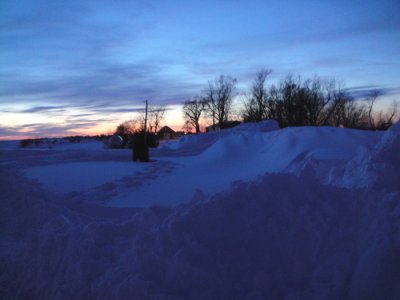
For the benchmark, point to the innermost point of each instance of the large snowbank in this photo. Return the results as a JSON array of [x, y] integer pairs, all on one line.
[[377, 166], [208, 162], [195, 144], [279, 237], [319, 221]]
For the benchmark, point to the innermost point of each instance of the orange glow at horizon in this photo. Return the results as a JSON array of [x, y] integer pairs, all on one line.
[[17, 126]]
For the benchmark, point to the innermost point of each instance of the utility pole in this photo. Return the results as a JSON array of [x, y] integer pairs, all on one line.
[[145, 125], [140, 150]]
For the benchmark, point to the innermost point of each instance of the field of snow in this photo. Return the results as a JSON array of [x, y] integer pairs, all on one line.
[[254, 212]]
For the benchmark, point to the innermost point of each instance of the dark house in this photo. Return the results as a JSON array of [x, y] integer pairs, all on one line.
[[224, 125], [166, 133]]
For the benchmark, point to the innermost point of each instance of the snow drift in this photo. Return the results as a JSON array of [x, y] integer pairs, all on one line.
[[319, 219]]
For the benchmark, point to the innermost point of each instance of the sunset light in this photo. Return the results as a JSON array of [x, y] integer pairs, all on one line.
[[214, 149], [80, 67]]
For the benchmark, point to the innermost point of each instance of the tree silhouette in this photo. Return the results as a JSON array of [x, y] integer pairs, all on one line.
[[256, 108], [156, 117], [192, 111], [218, 96]]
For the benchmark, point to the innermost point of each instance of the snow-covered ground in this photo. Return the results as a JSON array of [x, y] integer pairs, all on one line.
[[254, 212]]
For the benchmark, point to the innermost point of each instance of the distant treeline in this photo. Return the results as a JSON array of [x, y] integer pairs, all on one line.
[[68, 139], [293, 102]]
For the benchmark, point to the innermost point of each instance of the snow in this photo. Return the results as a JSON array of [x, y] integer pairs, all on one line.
[[252, 212], [72, 177], [9, 145], [181, 168]]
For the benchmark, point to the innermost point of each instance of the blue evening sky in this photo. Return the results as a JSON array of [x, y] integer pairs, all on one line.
[[75, 67]]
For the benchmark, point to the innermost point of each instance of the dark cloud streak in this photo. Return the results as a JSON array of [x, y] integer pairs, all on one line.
[[362, 92], [37, 109], [117, 84]]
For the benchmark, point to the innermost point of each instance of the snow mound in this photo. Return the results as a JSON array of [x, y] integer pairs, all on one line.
[[378, 166], [195, 144], [197, 162], [281, 236], [187, 145], [263, 126], [295, 213]]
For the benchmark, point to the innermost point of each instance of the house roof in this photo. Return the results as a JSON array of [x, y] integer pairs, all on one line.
[[226, 124], [166, 129]]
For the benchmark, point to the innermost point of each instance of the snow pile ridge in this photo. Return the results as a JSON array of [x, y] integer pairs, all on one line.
[[263, 223], [263, 126], [391, 139], [385, 162], [196, 144], [282, 236], [378, 166]]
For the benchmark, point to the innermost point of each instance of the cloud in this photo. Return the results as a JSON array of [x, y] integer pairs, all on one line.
[[88, 53], [82, 60], [65, 52], [8, 131], [362, 92], [77, 26], [46, 129], [81, 115], [118, 110], [37, 109], [117, 84]]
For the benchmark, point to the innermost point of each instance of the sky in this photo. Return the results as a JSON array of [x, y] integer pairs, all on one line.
[[83, 67]]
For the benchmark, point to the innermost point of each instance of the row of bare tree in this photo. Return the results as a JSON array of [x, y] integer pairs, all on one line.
[[216, 103], [312, 102], [293, 102]]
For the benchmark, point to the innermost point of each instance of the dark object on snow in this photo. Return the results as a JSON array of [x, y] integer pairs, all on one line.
[[141, 153], [140, 147], [115, 142]]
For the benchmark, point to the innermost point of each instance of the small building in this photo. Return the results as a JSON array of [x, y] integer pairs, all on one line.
[[166, 133], [225, 125]]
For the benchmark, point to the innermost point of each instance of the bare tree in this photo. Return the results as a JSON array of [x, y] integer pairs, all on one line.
[[355, 115], [304, 101], [343, 110], [335, 113], [317, 98], [219, 95], [385, 120], [256, 106], [156, 117], [393, 112], [335, 98], [192, 111], [371, 99], [187, 127], [126, 128]]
